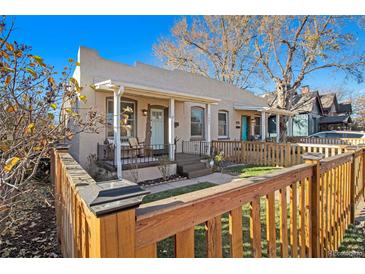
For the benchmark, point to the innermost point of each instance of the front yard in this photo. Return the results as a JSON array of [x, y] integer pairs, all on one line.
[[353, 244], [243, 171], [166, 247]]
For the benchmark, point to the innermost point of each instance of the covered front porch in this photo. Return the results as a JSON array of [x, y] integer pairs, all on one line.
[[254, 122], [148, 136]]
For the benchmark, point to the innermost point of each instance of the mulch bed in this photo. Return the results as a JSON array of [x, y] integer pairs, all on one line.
[[155, 182], [31, 228]]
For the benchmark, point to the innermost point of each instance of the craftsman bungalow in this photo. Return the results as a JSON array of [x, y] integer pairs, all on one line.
[[313, 113], [171, 113]]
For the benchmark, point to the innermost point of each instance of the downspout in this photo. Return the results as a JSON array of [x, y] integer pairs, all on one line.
[[117, 133]]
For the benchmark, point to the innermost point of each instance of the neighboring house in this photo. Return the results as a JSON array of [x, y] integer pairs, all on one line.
[[307, 108], [313, 113], [174, 106], [337, 115]]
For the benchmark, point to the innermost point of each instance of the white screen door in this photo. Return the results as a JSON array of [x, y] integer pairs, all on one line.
[[157, 126]]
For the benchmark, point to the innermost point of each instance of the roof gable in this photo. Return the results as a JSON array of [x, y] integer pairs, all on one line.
[[328, 100], [302, 103]]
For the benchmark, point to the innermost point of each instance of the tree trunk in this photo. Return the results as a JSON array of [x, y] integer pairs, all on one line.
[[283, 102]]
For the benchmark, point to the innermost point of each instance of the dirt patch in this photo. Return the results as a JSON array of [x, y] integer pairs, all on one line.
[[31, 228]]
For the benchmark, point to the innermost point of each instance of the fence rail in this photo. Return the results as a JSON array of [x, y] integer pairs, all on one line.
[[271, 154], [306, 207], [328, 141]]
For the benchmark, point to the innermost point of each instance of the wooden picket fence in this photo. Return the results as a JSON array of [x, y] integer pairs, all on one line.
[[314, 202], [271, 154], [326, 141]]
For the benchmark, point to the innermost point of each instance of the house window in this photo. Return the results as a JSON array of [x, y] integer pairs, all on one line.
[[222, 124], [257, 126], [197, 122], [129, 130]]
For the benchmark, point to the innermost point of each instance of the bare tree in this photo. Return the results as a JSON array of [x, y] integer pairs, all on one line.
[[281, 50], [359, 111], [35, 112], [291, 47], [219, 47]]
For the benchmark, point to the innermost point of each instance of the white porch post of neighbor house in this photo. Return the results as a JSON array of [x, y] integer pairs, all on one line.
[[277, 128], [263, 126], [171, 129], [208, 127], [117, 133]]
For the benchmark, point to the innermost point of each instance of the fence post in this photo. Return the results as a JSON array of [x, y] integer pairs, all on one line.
[[363, 171], [362, 146], [56, 180], [352, 182], [314, 158], [113, 226]]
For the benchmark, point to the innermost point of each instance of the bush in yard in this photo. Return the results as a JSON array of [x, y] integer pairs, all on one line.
[[35, 113]]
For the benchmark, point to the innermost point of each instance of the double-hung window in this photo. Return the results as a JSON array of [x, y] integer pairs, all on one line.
[[223, 124], [128, 128], [197, 122]]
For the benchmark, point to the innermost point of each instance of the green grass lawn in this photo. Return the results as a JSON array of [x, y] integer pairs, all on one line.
[[249, 171], [353, 244], [165, 248]]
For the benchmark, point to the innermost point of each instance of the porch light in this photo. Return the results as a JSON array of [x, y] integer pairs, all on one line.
[[144, 112]]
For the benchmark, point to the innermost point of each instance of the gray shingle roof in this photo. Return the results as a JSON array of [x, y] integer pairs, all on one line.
[[327, 100], [335, 119], [302, 103], [345, 108]]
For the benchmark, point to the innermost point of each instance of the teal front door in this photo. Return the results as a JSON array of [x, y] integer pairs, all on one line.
[[244, 128]]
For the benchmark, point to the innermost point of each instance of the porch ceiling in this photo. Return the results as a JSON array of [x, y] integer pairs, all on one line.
[[134, 89]]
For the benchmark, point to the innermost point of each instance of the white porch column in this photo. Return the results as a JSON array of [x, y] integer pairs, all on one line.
[[171, 129], [290, 126], [277, 128], [208, 130], [263, 126], [117, 134]]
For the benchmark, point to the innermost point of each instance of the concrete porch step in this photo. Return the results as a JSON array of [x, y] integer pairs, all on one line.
[[198, 173], [190, 167]]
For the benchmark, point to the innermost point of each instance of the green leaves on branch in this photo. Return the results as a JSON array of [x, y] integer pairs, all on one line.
[[32, 72], [83, 98], [53, 106], [75, 83], [38, 60]]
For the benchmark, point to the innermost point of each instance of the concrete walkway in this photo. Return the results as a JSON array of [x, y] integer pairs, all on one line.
[[215, 178]]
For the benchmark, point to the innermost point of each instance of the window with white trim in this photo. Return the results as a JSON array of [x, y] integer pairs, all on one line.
[[129, 130], [197, 122], [222, 124]]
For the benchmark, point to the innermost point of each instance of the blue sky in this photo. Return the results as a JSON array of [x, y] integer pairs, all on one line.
[[126, 39]]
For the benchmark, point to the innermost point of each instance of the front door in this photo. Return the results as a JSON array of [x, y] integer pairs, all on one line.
[[244, 128], [157, 126]]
